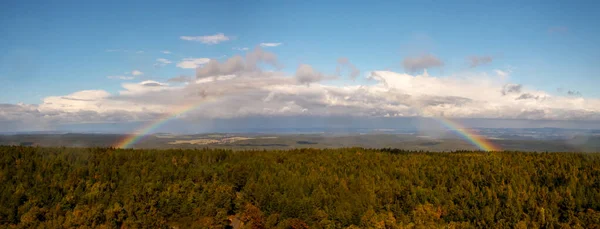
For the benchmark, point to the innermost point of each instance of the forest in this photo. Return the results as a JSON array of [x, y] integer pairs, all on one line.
[[301, 188]]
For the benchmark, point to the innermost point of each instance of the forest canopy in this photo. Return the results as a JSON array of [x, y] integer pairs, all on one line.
[[302, 188]]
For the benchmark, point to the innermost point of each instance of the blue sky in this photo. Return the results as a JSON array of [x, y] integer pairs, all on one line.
[[55, 48]]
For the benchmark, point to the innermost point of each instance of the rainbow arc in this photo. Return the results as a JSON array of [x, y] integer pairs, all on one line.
[[474, 138], [130, 140]]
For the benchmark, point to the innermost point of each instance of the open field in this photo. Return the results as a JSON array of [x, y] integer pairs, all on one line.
[[300, 188]]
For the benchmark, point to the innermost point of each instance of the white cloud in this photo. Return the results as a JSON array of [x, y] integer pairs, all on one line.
[[274, 93], [139, 52], [166, 52], [238, 88], [305, 74], [79, 101], [144, 87], [238, 64], [192, 62], [209, 40], [137, 73], [270, 44], [240, 49], [121, 77], [152, 83]]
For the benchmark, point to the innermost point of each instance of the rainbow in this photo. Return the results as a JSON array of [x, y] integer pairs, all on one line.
[[474, 138], [468, 134], [135, 137]]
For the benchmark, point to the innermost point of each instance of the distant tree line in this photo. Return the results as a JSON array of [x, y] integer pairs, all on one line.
[[303, 188]]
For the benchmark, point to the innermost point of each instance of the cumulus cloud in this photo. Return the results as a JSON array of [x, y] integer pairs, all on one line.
[[417, 63], [215, 68], [79, 101], [238, 87], [24, 117], [305, 74], [344, 63], [527, 96], [166, 52], [237, 64], [272, 93], [270, 44], [511, 88], [87, 95], [192, 62], [258, 55], [209, 39], [475, 61]]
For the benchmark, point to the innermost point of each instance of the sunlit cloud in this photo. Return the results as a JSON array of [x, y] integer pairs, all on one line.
[[239, 87], [251, 92]]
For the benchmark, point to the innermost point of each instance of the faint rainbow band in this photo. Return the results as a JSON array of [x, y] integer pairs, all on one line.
[[476, 139], [135, 137], [481, 142]]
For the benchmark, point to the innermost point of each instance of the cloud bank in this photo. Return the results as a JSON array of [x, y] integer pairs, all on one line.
[[239, 87]]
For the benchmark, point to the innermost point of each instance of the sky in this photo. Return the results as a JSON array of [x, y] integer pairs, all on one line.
[[73, 62]]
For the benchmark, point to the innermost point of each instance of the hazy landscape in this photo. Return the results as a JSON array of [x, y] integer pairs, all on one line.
[[297, 114], [530, 139]]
